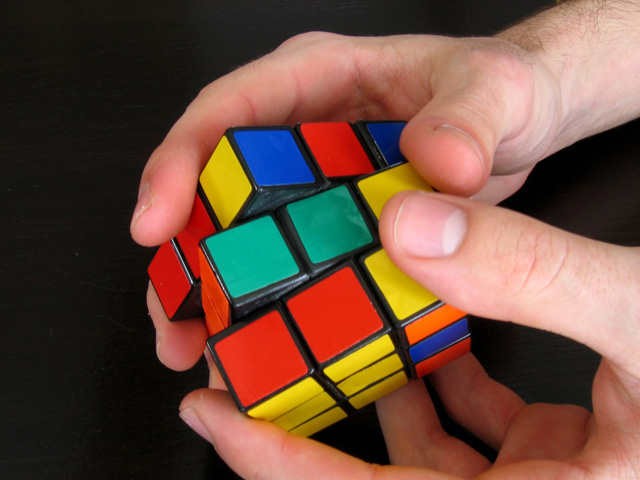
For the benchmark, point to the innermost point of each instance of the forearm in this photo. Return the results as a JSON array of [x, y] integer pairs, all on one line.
[[592, 49]]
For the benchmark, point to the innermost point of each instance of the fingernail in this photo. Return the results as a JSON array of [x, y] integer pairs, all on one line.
[[461, 134], [427, 227], [145, 200], [190, 417]]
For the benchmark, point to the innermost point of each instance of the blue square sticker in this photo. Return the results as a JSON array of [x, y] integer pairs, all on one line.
[[386, 135], [273, 157]]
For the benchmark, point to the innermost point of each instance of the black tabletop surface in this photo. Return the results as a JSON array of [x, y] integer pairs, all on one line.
[[87, 90]]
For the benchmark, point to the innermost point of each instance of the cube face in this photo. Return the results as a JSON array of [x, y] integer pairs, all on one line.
[[384, 140], [335, 314], [251, 263], [172, 280], [378, 188], [254, 170], [403, 297], [328, 227], [252, 256], [336, 149], [276, 147], [260, 358]]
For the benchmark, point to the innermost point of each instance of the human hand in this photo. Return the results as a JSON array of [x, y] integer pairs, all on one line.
[[464, 98], [481, 111], [497, 264], [447, 87]]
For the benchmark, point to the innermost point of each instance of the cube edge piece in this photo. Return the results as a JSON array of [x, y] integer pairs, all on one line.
[[188, 305]]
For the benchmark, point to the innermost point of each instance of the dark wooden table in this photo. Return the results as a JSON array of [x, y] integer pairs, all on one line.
[[87, 90]]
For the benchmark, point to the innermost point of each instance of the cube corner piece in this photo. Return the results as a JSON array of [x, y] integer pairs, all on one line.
[[424, 324], [376, 189], [256, 169], [383, 139]]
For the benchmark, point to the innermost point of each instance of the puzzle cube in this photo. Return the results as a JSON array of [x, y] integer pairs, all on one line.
[[175, 271], [328, 227], [270, 376], [346, 332], [426, 327], [309, 318], [247, 266], [254, 170], [378, 188], [383, 140], [337, 150]]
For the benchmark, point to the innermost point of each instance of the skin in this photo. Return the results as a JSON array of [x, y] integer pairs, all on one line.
[[482, 112]]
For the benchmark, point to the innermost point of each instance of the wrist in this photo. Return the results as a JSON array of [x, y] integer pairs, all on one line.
[[591, 52]]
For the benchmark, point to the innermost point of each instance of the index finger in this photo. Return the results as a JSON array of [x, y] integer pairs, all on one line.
[[299, 81]]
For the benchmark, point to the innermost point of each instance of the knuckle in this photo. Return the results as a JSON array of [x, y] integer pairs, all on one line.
[[304, 40], [498, 76], [532, 261]]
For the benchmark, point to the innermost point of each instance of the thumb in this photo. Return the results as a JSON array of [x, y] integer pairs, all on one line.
[[258, 449], [502, 265], [491, 112]]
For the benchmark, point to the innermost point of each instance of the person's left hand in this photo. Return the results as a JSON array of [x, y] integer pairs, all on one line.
[[496, 264]]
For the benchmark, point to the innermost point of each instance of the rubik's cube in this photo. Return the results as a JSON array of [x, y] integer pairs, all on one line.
[[309, 318]]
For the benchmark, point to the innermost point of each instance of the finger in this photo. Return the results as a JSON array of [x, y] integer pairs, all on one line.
[[179, 345], [414, 435], [474, 401], [257, 449], [311, 77], [545, 432], [492, 112], [500, 187], [499, 264]]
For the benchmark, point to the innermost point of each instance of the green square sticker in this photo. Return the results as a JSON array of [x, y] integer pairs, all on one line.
[[329, 224], [251, 256]]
